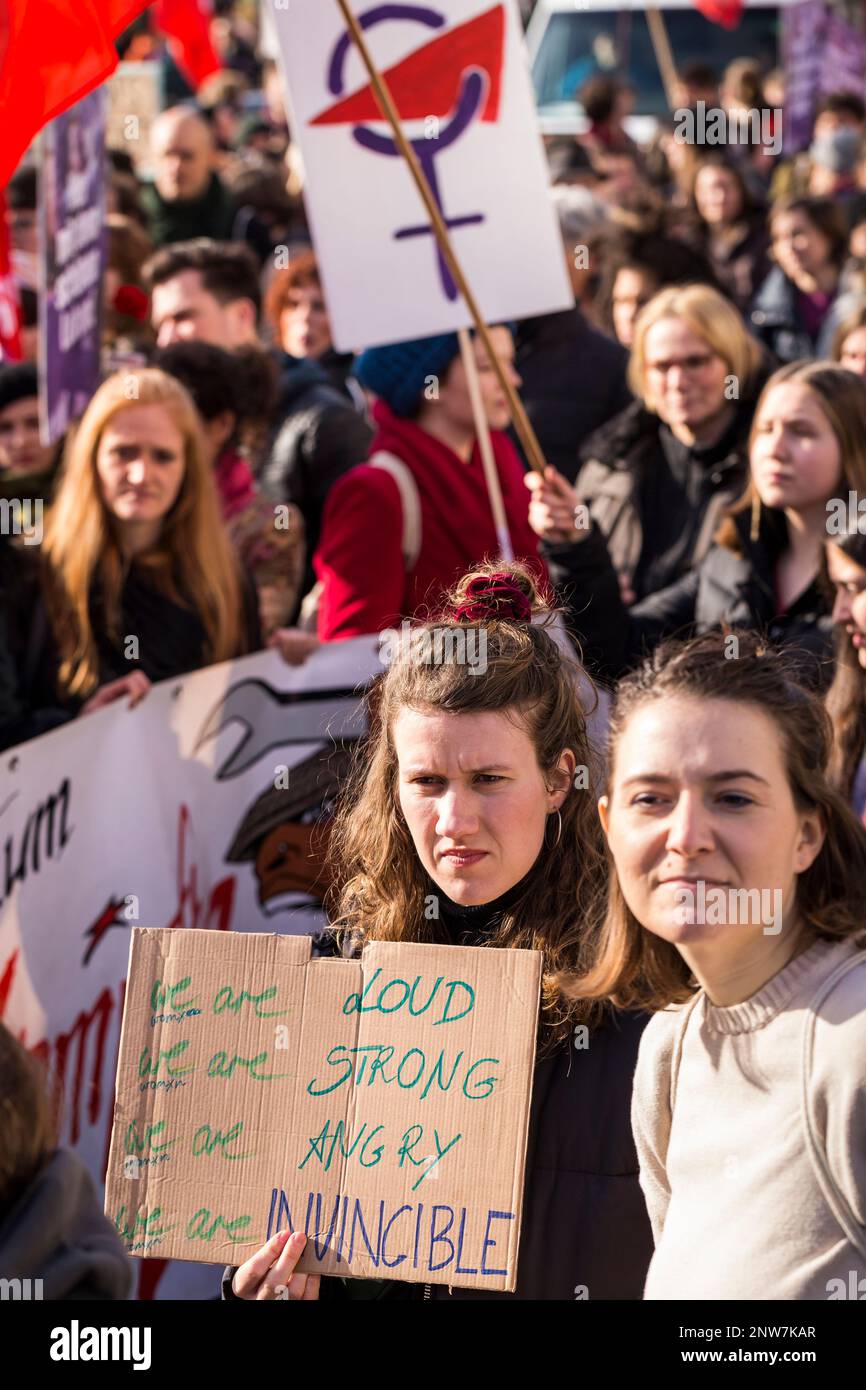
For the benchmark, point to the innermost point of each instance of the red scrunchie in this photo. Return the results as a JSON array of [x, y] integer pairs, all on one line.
[[131, 301], [492, 596]]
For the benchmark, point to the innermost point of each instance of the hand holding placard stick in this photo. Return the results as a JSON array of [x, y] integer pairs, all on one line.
[[522, 423], [379, 1105]]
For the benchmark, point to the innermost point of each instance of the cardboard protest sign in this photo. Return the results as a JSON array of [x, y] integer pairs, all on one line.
[[380, 1105], [458, 73], [73, 249], [204, 807]]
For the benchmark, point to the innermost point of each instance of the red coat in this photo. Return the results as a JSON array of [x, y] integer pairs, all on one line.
[[359, 559]]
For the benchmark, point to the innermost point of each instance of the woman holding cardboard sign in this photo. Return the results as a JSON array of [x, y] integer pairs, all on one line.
[[475, 796]]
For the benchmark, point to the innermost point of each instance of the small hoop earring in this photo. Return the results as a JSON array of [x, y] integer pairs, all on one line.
[[558, 830]]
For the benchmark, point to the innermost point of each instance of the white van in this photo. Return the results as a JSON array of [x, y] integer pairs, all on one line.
[[570, 40]]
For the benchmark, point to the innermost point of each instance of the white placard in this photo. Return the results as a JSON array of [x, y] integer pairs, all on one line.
[[458, 72]]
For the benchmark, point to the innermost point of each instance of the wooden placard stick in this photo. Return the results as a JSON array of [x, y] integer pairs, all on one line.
[[485, 446], [664, 57], [522, 423]]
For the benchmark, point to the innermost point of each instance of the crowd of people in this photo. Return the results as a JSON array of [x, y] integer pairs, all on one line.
[[702, 411]]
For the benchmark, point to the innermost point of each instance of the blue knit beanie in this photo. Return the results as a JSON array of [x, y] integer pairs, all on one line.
[[398, 372]]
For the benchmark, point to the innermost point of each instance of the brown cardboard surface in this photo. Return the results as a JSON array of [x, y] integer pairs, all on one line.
[[241, 1110]]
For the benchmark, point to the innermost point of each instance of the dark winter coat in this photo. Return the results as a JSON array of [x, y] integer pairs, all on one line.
[[744, 264], [17, 722], [319, 437], [215, 215], [659, 517], [56, 1232], [730, 588], [171, 639], [573, 381], [775, 319]]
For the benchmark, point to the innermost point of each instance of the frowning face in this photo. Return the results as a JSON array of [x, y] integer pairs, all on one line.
[[140, 464], [474, 798]]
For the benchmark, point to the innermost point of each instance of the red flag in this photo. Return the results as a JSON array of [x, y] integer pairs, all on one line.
[[728, 13], [186, 23], [10, 316], [52, 54]]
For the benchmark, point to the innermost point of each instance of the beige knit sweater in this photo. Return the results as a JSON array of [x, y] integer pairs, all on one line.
[[736, 1209]]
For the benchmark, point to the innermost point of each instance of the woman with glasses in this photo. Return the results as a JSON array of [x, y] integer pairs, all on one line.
[[656, 479], [765, 572]]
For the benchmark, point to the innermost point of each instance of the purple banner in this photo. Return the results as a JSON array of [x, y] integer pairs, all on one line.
[[843, 63], [73, 252], [802, 41]]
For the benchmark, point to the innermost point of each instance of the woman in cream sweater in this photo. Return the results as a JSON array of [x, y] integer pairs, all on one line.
[[736, 912]]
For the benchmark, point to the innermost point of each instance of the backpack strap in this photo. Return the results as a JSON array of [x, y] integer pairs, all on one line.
[[833, 1196], [410, 501], [410, 544]]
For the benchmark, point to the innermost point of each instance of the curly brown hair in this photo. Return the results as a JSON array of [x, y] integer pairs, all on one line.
[[379, 881]]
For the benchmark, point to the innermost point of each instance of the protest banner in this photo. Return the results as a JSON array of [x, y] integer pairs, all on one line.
[[843, 59], [458, 75], [73, 249], [202, 807], [802, 46], [380, 1105]]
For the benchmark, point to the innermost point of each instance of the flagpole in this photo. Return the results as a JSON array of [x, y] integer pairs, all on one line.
[[485, 445], [522, 423], [664, 57]]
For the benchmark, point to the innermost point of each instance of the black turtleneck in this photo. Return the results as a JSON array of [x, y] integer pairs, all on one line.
[[468, 926]]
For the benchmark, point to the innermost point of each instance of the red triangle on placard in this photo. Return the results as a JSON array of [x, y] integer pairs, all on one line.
[[427, 83]]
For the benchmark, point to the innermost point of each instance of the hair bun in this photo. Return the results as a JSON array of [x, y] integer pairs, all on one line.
[[493, 596]]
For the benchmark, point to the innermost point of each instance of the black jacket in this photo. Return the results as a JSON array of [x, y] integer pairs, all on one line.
[[214, 214], [731, 589], [18, 722], [319, 437], [656, 503], [776, 320], [744, 264], [171, 640], [56, 1231], [573, 381]]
